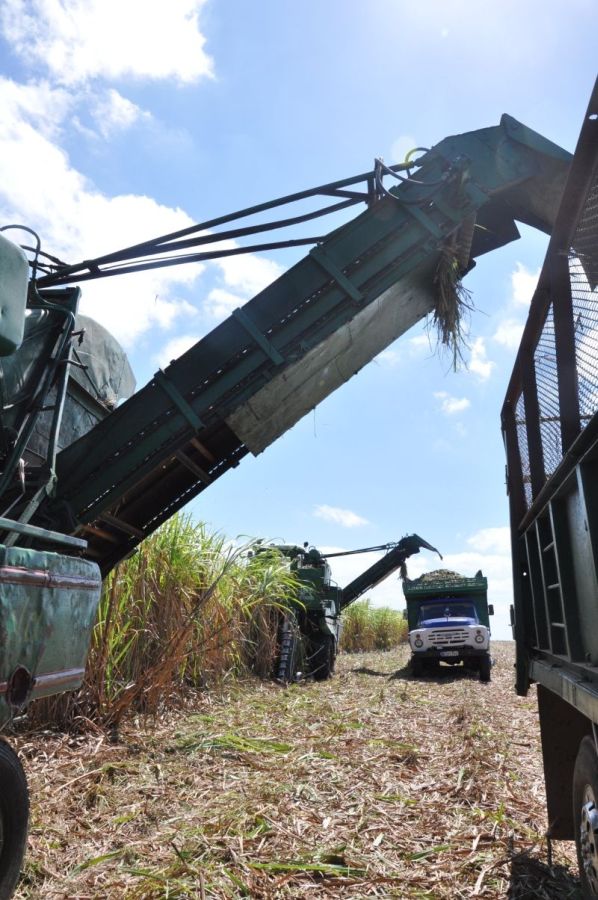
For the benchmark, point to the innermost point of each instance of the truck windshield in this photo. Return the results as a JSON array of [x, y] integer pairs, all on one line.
[[448, 609]]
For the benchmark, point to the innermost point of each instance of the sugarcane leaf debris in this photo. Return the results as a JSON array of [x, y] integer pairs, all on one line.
[[248, 790]]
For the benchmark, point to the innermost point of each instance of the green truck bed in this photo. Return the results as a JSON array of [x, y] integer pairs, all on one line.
[[449, 586]]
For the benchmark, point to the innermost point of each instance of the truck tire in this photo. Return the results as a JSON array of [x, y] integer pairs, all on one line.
[[417, 667], [323, 657], [14, 819], [485, 668], [585, 816]]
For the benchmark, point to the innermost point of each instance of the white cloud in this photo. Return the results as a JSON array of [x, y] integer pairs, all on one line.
[[246, 273], [451, 405], [523, 284], [479, 364], [220, 303], [344, 517], [40, 188], [131, 305], [175, 348], [421, 341], [76, 40], [389, 359], [113, 113], [495, 540], [38, 105], [508, 333]]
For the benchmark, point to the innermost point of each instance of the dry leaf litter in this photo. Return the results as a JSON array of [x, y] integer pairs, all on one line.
[[371, 785]]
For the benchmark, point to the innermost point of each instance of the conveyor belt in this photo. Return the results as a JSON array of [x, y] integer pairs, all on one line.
[[269, 363]]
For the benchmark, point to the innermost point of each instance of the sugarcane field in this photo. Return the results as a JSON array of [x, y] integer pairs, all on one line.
[[372, 784], [298, 450]]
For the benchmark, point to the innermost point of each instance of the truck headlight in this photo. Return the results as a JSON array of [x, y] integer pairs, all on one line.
[[479, 637], [418, 642]]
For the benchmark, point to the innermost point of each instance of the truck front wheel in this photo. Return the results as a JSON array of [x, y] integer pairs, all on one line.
[[14, 819], [485, 668], [585, 816], [417, 666]]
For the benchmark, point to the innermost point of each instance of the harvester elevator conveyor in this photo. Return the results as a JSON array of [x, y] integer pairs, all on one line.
[[394, 559], [270, 362]]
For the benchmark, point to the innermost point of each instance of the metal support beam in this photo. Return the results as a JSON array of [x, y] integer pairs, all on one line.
[[324, 261], [260, 339], [193, 467], [162, 380]]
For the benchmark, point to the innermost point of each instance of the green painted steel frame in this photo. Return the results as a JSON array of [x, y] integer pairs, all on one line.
[[554, 541], [394, 237]]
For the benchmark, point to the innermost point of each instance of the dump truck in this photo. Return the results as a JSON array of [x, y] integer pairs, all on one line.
[[448, 621], [89, 469], [550, 428], [310, 627]]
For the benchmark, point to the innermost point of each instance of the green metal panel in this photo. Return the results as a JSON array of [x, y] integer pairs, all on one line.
[[14, 279], [441, 588], [474, 589], [48, 605], [241, 387]]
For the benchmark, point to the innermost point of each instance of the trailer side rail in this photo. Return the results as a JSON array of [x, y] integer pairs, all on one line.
[[550, 428]]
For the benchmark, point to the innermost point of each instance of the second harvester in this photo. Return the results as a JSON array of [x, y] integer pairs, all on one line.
[[310, 630]]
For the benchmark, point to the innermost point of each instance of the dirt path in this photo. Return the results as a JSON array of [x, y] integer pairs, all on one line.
[[373, 785]]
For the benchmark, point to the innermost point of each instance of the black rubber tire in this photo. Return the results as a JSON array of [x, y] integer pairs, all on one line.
[[14, 819], [485, 668], [585, 792], [417, 667], [290, 651], [323, 657]]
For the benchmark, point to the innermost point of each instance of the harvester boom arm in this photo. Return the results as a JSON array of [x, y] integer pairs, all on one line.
[[274, 359], [375, 549], [384, 567]]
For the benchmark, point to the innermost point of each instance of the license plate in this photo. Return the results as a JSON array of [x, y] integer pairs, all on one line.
[[449, 653]]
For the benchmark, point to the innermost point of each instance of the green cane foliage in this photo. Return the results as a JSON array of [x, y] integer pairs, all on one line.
[[366, 627], [189, 607]]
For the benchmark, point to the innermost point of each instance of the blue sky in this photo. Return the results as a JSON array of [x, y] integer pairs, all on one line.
[[124, 120]]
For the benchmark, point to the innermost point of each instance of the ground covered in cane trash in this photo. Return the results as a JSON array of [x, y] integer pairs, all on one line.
[[370, 785]]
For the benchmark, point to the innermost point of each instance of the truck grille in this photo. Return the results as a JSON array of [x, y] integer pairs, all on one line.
[[446, 637]]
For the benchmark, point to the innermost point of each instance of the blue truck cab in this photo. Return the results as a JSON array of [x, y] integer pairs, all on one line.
[[448, 619]]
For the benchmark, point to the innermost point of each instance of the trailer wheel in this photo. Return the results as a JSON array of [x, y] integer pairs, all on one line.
[[485, 668], [585, 816], [323, 657], [14, 819]]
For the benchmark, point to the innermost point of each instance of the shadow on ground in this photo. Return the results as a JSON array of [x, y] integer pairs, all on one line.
[[439, 674], [531, 878]]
